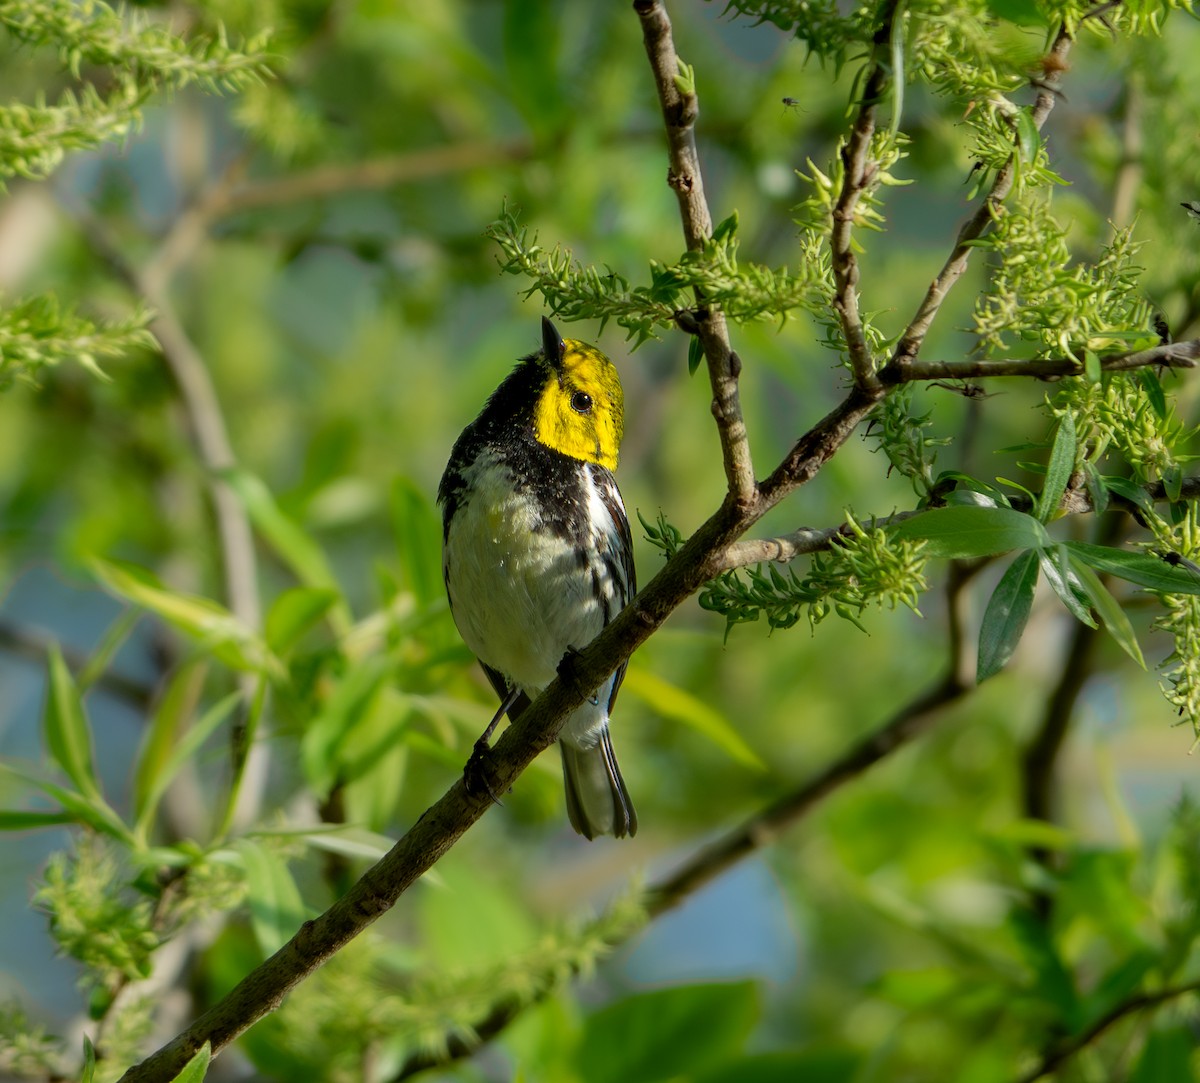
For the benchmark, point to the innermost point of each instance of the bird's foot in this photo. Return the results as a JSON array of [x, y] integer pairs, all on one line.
[[477, 769]]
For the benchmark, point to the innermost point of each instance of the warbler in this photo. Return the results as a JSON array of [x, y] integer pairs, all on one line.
[[537, 553]]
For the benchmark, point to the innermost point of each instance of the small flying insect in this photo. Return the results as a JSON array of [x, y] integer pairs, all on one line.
[[1178, 560], [1192, 207], [965, 389], [791, 103]]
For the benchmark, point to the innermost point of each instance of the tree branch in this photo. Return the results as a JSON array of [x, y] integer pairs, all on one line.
[[914, 336], [859, 173], [228, 196], [680, 107], [1062, 1051], [765, 826], [1170, 354]]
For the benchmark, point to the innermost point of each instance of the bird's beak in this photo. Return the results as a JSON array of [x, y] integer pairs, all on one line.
[[553, 346]]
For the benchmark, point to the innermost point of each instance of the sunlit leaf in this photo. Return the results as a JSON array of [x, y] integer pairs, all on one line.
[[678, 704], [276, 908], [1109, 610], [65, 726], [1058, 469], [972, 531], [196, 1068]]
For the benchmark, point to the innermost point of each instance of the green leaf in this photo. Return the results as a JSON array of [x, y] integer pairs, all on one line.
[[65, 727], [1058, 470], [531, 36], [196, 1068], [89, 1061], [1028, 138], [1130, 491], [205, 620], [294, 546], [1006, 615], [118, 632], [678, 704], [1097, 490], [1142, 569], [973, 531], [1053, 981], [92, 811], [176, 703], [293, 613], [418, 534], [1109, 610], [1092, 369], [695, 355], [726, 229], [813, 1064], [21, 820], [1021, 12], [323, 741], [668, 1033], [1167, 1055], [1152, 385], [276, 909], [152, 786], [1057, 570]]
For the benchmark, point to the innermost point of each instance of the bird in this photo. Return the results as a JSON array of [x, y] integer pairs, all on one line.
[[537, 553]]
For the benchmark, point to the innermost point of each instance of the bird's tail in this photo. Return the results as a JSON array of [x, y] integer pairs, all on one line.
[[597, 801]]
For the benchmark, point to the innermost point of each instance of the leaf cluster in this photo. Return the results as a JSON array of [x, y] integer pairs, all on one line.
[[139, 58]]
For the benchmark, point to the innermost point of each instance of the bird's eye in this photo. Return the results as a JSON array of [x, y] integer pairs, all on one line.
[[581, 402]]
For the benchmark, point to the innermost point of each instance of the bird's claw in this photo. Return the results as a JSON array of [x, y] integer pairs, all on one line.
[[475, 773]]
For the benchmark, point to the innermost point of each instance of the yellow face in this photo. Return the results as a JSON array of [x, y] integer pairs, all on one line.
[[580, 411]]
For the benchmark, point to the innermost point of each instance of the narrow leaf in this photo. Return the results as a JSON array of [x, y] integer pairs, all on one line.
[[418, 541], [196, 1068], [65, 727], [1028, 139], [184, 749], [1109, 610], [1142, 569], [1152, 385], [174, 706], [1056, 568], [1006, 615], [695, 355], [1058, 469], [293, 613], [679, 705], [21, 820], [973, 531], [203, 619], [276, 909], [89, 1061]]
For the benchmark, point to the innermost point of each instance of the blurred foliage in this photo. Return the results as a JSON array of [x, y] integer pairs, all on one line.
[[346, 234]]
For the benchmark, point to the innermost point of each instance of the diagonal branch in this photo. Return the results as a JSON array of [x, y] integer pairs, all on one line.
[[1062, 1051], [914, 336], [680, 107], [760, 830]]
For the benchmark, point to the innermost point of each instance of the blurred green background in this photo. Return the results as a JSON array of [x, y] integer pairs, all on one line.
[[341, 292]]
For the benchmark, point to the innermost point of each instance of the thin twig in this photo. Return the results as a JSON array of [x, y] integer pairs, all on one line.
[[680, 108], [236, 539], [1129, 174], [1062, 1051], [228, 196], [858, 174], [914, 336]]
